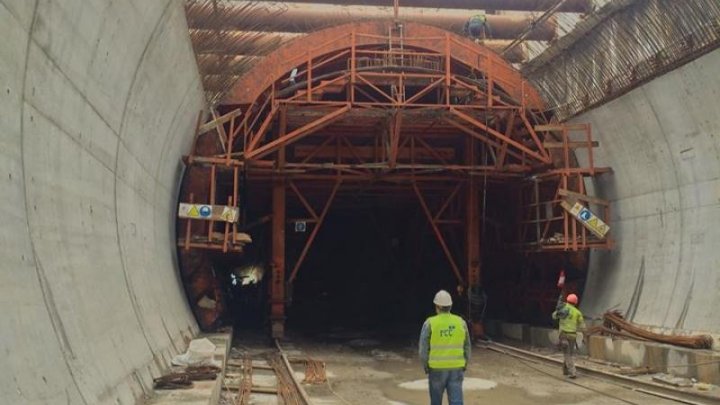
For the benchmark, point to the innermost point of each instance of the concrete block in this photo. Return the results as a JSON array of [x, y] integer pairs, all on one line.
[[543, 337], [679, 357], [707, 367], [515, 331], [656, 356], [492, 328], [597, 347]]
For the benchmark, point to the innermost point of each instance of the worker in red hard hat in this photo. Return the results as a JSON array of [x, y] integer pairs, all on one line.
[[571, 321]]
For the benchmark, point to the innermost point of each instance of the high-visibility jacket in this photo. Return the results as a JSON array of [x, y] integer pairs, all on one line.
[[447, 340], [570, 323]]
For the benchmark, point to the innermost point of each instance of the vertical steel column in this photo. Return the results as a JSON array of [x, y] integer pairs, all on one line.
[[472, 238], [277, 286]]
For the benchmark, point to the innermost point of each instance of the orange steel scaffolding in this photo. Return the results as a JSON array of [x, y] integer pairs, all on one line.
[[409, 110]]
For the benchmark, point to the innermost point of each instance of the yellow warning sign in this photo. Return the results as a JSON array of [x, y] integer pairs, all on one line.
[[588, 219], [193, 212], [208, 212]]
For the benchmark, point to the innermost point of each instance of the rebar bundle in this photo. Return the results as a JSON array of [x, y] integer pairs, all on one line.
[[621, 46], [216, 49], [614, 323]]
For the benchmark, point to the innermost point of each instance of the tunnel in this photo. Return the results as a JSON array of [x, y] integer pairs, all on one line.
[[338, 181]]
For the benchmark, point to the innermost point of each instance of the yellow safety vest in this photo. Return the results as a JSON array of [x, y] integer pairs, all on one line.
[[447, 340], [572, 321]]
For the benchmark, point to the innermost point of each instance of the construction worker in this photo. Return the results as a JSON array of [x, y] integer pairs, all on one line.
[[444, 351], [570, 322], [478, 28]]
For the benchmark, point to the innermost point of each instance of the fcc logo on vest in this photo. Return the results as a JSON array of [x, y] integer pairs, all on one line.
[[447, 332]]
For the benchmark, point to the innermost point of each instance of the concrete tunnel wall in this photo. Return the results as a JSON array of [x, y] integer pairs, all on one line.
[[98, 100], [663, 142], [97, 103]]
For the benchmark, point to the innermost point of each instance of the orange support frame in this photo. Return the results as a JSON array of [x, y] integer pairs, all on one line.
[[437, 96]]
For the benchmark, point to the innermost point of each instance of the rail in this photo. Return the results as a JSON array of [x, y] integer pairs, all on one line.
[[644, 387]]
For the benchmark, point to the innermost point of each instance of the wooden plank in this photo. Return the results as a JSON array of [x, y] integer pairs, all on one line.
[[583, 197], [219, 121], [572, 145]]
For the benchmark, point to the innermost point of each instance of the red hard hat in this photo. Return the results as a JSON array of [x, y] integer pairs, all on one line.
[[572, 298]]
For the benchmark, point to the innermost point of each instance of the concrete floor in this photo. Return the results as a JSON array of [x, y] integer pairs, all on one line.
[[362, 371], [98, 102]]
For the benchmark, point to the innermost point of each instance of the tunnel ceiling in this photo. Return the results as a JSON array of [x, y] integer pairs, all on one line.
[[229, 37]]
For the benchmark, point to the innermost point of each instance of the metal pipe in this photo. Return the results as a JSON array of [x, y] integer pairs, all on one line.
[[239, 54], [312, 17], [572, 6]]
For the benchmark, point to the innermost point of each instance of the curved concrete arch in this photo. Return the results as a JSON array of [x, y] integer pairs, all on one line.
[[292, 54], [661, 140], [98, 101], [92, 128]]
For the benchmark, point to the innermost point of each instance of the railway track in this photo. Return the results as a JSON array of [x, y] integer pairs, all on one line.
[[267, 374], [533, 360]]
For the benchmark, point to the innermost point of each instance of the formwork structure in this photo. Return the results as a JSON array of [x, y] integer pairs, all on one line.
[[402, 110], [229, 37]]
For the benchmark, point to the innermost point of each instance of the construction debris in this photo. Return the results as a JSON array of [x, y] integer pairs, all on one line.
[[184, 379], [615, 324], [315, 372], [672, 380], [172, 381], [635, 371]]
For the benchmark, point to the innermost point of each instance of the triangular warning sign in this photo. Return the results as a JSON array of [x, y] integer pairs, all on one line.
[[193, 212], [593, 222]]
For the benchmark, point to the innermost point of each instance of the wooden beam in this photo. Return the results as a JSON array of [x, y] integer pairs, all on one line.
[[218, 121]]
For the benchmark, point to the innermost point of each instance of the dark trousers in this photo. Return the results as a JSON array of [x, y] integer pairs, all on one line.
[[446, 380], [567, 344]]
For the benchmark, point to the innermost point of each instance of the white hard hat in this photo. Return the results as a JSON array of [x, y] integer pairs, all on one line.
[[443, 299]]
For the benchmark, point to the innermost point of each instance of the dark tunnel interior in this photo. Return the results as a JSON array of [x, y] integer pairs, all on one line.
[[376, 264]]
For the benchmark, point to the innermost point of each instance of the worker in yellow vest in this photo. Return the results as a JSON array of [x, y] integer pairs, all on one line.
[[570, 321], [445, 351]]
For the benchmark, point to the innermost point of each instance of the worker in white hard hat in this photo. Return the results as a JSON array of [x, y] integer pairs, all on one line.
[[445, 351]]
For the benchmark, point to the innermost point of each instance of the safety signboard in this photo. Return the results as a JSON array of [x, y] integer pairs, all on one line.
[[589, 219], [208, 212]]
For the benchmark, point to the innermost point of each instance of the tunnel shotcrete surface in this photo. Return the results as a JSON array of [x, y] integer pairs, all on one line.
[[99, 103]]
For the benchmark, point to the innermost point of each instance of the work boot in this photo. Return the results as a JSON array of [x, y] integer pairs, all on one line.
[[572, 376]]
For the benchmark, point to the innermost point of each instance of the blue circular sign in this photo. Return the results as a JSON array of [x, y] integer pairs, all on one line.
[[585, 215], [205, 211]]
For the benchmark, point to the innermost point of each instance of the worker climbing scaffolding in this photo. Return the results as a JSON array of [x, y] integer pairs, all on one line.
[[478, 27]]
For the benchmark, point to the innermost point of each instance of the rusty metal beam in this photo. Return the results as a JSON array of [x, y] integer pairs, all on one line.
[[277, 282], [295, 135], [394, 129], [438, 234], [316, 229], [539, 155], [571, 6], [337, 39], [312, 17]]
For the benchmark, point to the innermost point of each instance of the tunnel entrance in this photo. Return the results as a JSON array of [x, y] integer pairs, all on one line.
[[336, 159]]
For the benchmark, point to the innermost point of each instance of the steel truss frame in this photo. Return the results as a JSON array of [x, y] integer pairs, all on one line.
[[402, 106]]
